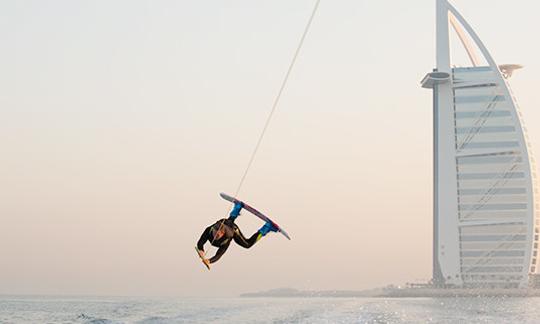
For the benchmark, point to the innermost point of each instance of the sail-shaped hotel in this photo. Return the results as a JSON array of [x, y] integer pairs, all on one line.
[[486, 221]]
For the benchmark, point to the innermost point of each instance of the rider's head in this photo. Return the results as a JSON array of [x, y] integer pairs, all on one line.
[[219, 234]]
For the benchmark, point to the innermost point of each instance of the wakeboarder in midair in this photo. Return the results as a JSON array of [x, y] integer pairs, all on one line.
[[222, 232]]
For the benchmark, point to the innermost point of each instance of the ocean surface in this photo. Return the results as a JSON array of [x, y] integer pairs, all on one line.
[[97, 310]]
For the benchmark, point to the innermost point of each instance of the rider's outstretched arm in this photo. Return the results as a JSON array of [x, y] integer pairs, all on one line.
[[219, 253], [204, 237]]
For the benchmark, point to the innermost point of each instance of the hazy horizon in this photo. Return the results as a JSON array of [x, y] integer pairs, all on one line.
[[121, 121]]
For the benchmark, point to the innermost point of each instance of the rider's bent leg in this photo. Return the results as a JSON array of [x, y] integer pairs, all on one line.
[[244, 242], [236, 210]]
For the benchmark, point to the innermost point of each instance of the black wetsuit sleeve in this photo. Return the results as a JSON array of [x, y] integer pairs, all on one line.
[[220, 252], [204, 237]]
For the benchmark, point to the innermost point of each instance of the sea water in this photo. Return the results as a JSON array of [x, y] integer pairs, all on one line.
[[97, 310]]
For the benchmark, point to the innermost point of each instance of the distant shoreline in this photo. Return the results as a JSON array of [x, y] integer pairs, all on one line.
[[397, 293]]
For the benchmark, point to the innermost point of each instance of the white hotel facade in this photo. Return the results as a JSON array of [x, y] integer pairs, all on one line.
[[486, 214]]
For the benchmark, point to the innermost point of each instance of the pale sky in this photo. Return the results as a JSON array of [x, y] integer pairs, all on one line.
[[121, 121]]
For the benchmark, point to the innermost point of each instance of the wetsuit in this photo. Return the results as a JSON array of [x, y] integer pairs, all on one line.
[[231, 232]]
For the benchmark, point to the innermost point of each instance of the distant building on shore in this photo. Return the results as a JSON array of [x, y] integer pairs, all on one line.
[[486, 217]]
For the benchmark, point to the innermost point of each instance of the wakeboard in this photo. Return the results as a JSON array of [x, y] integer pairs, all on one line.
[[203, 259], [256, 213]]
